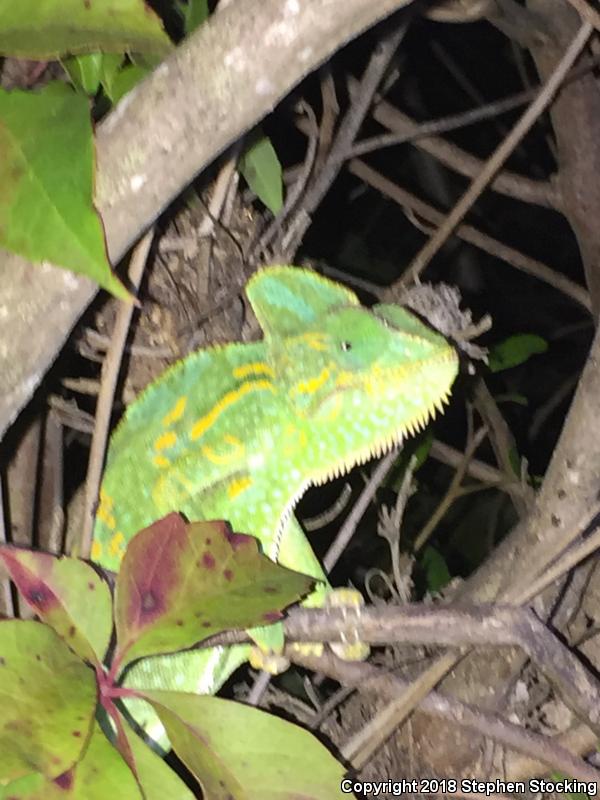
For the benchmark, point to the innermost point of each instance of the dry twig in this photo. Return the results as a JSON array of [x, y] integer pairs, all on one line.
[[110, 374]]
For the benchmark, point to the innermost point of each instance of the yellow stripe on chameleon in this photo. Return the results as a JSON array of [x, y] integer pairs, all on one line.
[[204, 423], [116, 546], [255, 368], [238, 486], [312, 384], [165, 440], [316, 341], [176, 412], [104, 512], [237, 451], [96, 552], [106, 502], [161, 461]]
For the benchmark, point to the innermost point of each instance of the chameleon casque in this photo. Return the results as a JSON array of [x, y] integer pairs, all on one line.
[[239, 431]]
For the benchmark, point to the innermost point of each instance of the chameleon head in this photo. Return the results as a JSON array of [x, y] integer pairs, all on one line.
[[363, 380]]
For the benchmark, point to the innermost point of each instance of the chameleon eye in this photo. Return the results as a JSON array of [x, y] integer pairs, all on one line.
[[346, 346]]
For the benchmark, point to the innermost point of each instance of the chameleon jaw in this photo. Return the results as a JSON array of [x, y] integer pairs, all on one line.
[[383, 445], [375, 449]]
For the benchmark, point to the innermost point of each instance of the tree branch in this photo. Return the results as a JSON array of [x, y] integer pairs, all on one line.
[[246, 58]]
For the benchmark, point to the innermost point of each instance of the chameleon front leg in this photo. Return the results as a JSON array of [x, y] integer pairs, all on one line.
[[295, 552]]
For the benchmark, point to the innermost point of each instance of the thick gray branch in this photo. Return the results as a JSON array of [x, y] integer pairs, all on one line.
[[210, 91]]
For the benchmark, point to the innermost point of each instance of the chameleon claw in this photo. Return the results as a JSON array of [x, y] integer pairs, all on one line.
[[350, 601], [269, 662], [309, 648]]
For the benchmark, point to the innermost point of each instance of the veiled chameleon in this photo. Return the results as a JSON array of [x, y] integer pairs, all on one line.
[[238, 432]]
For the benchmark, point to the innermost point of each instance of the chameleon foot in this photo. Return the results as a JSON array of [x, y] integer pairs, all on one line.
[[351, 600], [268, 661]]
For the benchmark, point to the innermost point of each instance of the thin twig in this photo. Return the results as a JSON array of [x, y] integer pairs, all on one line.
[[503, 443], [219, 192], [511, 184], [330, 112], [452, 122], [587, 12], [110, 374], [331, 513], [476, 469], [498, 158], [389, 527], [6, 596], [564, 564], [452, 492], [556, 399], [384, 723], [70, 416], [294, 194], [259, 687], [347, 530], [384, 684], [515, 258], [353, 119]]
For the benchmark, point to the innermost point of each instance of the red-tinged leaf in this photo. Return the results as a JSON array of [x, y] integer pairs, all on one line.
[[46, 174], [180, 583], [47, 29], [67, 594], [101, 773], [47, 701], [236, 751]]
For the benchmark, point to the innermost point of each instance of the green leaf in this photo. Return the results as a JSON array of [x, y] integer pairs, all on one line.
[[157, 780], [29, 786], [193, 13], [46, 174], [85, 71], [89, 71], [180, 583], [66, 594], [238, 751], [515, 350], [124, 81], [47, 701], [47, 29], [514, 459], [437, 574], [261, 168], [101, 773]]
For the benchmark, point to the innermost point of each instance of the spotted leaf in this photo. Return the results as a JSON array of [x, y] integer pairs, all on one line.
[[47, 701], [238, 751], [65, 593], [180, 583]]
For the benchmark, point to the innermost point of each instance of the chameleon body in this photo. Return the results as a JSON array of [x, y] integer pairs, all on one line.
[[238, 432]]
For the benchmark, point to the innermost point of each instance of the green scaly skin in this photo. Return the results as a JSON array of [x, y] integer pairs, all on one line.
[[239, 432]]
